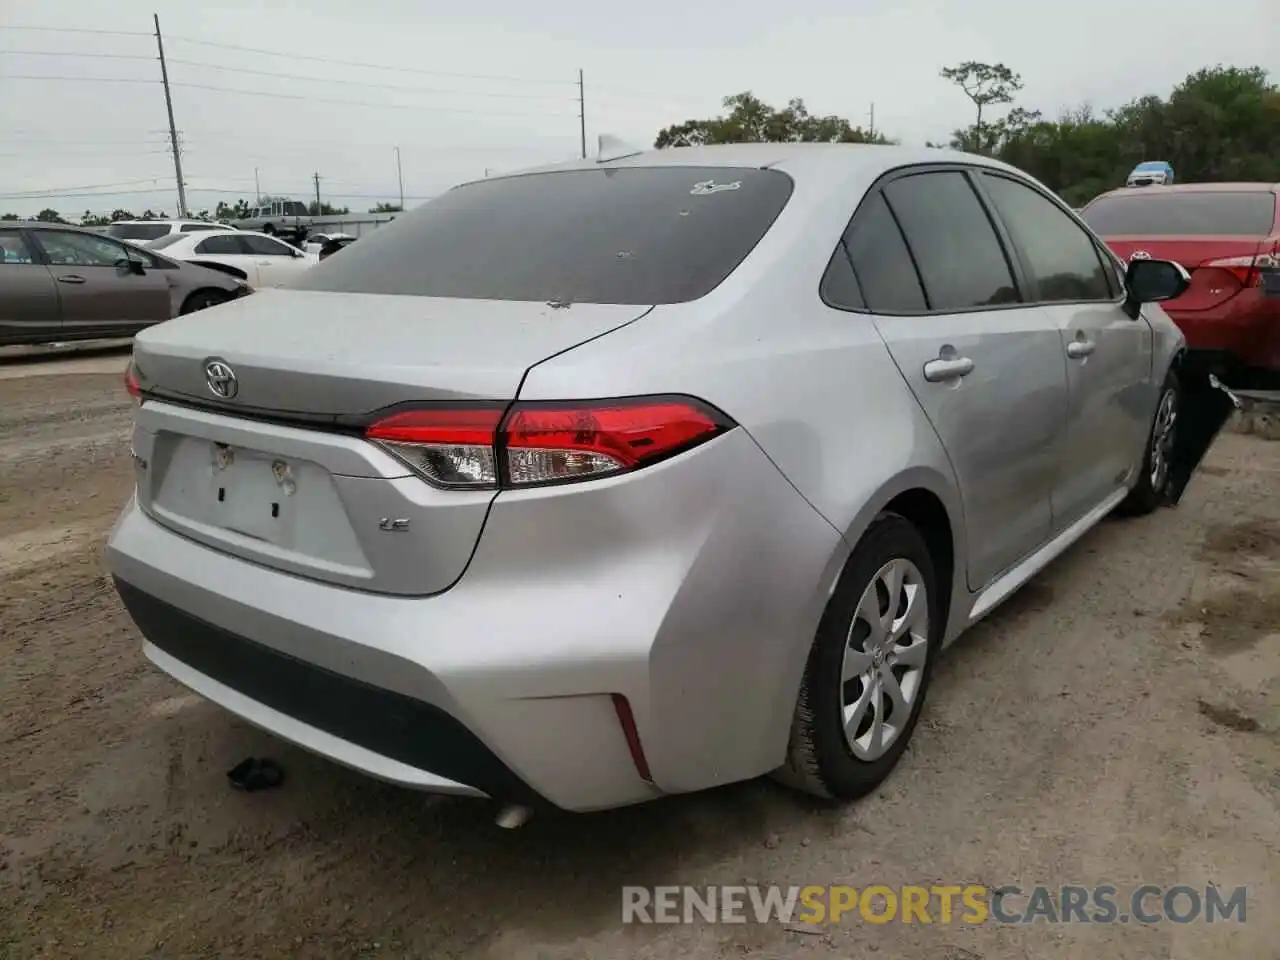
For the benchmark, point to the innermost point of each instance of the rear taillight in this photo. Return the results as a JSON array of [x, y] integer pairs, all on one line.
[[1248, 270], [533, 444], [131, 383]]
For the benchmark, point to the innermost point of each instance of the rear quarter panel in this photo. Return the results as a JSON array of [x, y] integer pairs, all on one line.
[[814, 387]]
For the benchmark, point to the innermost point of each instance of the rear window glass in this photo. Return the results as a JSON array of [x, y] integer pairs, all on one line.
[[637, 235], [1155, 212], [168, 240], [137, 231]]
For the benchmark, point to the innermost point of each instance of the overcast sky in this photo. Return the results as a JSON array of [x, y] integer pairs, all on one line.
[[465, 87]]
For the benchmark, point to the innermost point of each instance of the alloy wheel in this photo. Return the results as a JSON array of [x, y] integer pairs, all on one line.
[[885, 654], [1162, 437]]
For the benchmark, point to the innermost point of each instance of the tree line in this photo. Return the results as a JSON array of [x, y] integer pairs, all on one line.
[[1220, 123], [222, 213]]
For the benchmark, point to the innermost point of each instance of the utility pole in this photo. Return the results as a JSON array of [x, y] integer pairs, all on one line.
[[873, 121], [316, 177], [173, 130], [400, 178], [582, 115], [257, 188]]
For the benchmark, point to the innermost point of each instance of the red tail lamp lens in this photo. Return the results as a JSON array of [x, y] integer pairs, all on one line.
[[540, 443]]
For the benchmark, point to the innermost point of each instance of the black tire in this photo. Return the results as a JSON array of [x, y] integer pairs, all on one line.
[[269, 230], [202, 300], [820, 759], [1153, 487]]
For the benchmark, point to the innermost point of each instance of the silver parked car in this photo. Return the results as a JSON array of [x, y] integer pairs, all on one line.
[[620, 479]]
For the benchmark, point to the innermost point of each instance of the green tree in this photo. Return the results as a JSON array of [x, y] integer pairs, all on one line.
[[986, 84], [49, 216], [751, 120], [326, 210], [1220, 123], [386, 208], [10, 216], [232, 211]]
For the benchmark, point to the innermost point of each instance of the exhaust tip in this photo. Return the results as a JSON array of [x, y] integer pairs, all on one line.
[[512, 816]]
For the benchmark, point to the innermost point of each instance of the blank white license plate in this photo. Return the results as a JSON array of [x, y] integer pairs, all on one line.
[[255, 494]]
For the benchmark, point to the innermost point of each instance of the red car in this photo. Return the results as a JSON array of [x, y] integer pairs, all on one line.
[[1227, 236]]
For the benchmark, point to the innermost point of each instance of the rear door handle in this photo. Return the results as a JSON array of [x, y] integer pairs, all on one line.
[[1079, 349], [71, 278], [939, 370]]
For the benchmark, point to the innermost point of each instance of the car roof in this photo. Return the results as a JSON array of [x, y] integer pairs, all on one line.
[[797, 159], [188, 220], [1236, 187], [45, 225]]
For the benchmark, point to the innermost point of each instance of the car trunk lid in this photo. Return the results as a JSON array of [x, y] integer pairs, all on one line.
[[279, 474], [1220, 267]]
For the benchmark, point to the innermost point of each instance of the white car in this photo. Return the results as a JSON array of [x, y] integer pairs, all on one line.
[[141, 232], [265, 261]]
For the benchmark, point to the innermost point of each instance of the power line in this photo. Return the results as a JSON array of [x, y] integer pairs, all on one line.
[[76, 53], [100, 33], [97, 193], [28, 76], [364, 64], [38, 194], [361, 103], [378, 86], [288, 96]]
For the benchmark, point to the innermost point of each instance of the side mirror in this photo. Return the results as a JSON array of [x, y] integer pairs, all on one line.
[[130, 265], [1151, 281]]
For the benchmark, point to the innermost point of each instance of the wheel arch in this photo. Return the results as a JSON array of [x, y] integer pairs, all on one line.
[[223, 294], [929, 499]]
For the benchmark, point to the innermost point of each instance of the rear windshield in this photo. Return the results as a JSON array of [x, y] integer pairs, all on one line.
[[638, 235], [168, 240], [137, 231], [1155, 212]]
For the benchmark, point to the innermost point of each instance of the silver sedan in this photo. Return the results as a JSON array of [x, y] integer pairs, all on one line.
[[636, 476]]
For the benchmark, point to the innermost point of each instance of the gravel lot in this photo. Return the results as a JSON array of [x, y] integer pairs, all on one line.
[[1118, 721]]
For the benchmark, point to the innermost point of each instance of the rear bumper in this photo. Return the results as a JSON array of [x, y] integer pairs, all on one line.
[[692, 589], [385, 733], [1247, 328]]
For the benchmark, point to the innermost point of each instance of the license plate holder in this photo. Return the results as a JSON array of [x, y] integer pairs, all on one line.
[[1271, 283], [254, 494]]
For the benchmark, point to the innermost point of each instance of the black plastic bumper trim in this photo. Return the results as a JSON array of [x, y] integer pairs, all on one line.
[[385, 722]]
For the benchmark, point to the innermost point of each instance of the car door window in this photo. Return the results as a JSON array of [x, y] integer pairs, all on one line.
[[1061, 256], [193, 227], [961, 261], [81, 249], [882, 265], [225, 244], [14, 249], [266, 247]]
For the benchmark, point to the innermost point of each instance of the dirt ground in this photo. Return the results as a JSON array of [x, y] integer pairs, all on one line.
[[1116, 722]]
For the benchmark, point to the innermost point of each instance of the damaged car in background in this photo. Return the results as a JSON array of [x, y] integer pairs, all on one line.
[[62, 283]]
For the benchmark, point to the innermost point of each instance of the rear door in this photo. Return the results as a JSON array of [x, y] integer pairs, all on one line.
[[100, 294], [276, 261], [986, 368], [29, 310], [1110, 394], [228, 248]]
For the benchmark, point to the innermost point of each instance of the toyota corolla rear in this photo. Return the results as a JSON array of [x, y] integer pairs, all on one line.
[[1227, 236], [350, 529]]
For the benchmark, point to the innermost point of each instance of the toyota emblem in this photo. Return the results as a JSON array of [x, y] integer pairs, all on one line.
[[1139, 255], [221, 380]]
